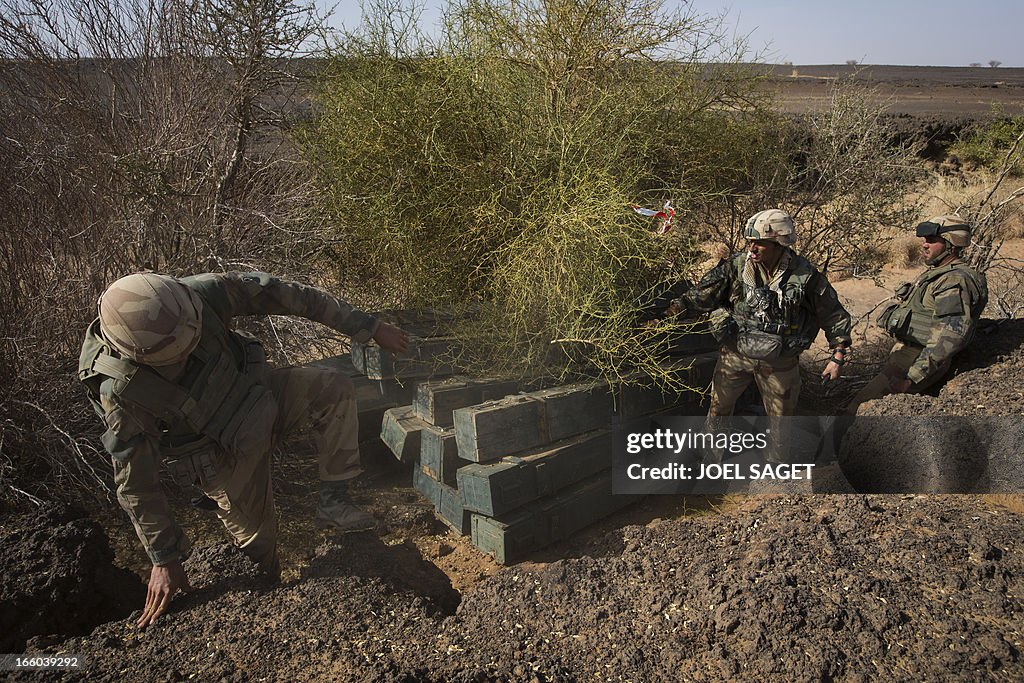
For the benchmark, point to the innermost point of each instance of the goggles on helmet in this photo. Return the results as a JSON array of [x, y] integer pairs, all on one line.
[[930, 229]]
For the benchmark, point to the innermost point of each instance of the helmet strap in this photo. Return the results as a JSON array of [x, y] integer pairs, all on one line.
[[947, 250]]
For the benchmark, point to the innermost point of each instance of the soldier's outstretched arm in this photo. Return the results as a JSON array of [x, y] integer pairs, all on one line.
[[710, 293], [233, 294], [136, 473]]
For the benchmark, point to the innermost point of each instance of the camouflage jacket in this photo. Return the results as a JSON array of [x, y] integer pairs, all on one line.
[[133, 436], [939, 312], [810, 302]]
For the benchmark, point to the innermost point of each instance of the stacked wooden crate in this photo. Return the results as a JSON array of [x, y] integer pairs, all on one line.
[[383, 382], [511, 466], [518, 471], [373, 398]]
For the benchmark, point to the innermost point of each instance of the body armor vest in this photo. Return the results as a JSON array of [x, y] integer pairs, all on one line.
[[787, 318], [911, 322], [219, 401]]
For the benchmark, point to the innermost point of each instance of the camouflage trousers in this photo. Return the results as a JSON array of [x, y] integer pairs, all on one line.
[[900, 359], [320, 405], [777, 380]]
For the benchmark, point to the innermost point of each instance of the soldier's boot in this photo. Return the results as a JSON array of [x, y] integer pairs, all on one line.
[[337, 511]]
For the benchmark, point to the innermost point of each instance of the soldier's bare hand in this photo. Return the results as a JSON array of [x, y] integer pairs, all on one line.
[[673, 310], [164, 582], [391, 338], [833, 370]]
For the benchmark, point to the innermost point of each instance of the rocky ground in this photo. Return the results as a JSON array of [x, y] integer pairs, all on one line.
[[902, 587], [843, 587]]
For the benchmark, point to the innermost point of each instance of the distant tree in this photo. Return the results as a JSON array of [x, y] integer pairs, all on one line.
[[994, 63], [975, 64], [851, 62]]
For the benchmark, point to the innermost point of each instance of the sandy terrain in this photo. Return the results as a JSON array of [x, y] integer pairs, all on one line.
[[924, 92]]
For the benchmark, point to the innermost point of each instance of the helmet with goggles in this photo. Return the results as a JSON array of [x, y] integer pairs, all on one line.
[[950, 227]]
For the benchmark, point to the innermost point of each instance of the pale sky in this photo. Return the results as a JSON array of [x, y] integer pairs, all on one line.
[[937, 33]]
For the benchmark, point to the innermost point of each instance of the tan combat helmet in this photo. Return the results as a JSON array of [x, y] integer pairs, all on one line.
[[771, 224], [951, 227], [151, 319]]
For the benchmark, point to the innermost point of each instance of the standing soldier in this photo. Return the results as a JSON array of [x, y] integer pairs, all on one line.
[[935, 316], [777, 301], [172, 381]]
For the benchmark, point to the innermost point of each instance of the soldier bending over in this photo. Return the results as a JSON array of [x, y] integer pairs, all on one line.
[[173, 382]]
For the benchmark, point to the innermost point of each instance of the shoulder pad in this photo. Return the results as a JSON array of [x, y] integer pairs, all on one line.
[[211, 287], [801, 265]]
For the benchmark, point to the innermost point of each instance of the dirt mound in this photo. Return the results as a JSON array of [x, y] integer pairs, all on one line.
[[969, 437], [988, 379], [57, 577], [805, 589], [781, 589]]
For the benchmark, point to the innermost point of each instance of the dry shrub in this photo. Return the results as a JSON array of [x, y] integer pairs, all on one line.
[[992, 203], [1005, 287], [840, 174], [905, 252], [136, 135]]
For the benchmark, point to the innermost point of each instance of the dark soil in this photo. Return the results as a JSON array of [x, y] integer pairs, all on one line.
[[968, 437], [987, 380], [57, 577], [816, 587], [842, 587], [812, 588]]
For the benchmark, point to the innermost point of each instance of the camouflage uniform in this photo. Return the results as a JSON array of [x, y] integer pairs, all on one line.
[[809, 303], [231, 463], [934, 320]]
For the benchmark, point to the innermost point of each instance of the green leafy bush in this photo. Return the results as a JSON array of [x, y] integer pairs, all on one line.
[[493, 167], [988, 146]]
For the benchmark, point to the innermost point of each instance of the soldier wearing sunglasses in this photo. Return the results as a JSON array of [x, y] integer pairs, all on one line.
[[934, 317]]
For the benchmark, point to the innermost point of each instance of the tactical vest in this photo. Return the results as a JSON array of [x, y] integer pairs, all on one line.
[[789, 320], [911, 322], [220, 400]]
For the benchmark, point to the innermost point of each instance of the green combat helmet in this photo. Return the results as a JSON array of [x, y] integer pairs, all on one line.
[[771, 224], [151, 319], [954, 231]]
